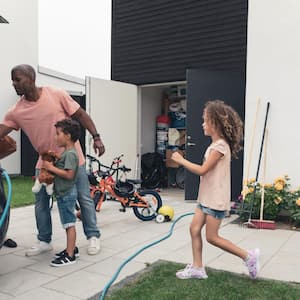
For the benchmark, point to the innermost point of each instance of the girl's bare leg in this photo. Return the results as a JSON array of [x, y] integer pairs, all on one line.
[[212, 236], [195, 231]]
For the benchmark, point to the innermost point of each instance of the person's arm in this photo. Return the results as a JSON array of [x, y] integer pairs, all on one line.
[[64, 173], [86, 121], [4, 130], [211, 161]]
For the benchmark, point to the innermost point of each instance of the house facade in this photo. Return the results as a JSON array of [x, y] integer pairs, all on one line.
[[154, 44]]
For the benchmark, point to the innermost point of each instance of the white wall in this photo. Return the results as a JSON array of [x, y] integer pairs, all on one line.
[[273, 74], [48, 77], [19, 44], [151, 105]]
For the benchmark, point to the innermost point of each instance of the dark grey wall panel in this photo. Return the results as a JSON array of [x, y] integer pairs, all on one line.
[[156, 41]]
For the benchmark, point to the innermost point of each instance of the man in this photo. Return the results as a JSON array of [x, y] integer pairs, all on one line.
[[36, 112]]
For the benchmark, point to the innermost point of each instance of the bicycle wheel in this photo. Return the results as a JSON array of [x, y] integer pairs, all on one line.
[[148, 213], [179, 177]]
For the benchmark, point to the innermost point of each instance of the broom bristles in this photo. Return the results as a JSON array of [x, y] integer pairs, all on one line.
[[264, 224]]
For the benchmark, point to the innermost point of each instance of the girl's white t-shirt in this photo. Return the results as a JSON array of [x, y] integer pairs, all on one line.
[[215, 185]]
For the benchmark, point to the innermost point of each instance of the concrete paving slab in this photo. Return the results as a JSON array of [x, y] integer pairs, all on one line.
[[80, 285], [22, 281], [45, 294], [5, 297]]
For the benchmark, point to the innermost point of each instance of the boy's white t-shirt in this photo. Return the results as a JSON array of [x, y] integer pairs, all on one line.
[[215, 185]]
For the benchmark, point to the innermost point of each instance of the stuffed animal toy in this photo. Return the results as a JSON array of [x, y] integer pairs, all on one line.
[[45, 177]]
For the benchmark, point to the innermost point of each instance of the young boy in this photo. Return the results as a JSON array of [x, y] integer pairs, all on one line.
[[65, 169]]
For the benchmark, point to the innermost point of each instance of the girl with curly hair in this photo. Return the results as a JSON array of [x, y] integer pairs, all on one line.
[[225, 128]]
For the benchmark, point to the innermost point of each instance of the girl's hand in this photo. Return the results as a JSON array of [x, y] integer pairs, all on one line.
[[177, 157]]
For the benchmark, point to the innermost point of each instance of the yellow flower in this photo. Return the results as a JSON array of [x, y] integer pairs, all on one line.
[[280, 180], [245, 192], [267, 185], [277, 200], [298, 201], [279, 186], [251, 189], [251, 180], [245, 182]]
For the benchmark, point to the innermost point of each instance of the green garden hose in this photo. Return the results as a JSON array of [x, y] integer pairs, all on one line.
[[7, 205]]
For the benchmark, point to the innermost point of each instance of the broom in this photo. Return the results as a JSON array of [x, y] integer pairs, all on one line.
[[261, 223], [249, 158], [249, 222]]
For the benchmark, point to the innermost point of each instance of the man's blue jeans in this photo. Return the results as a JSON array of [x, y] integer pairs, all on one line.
[[88, 213]]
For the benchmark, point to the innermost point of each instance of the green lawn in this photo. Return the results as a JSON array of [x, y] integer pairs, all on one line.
[[21, 191], [160, 283]]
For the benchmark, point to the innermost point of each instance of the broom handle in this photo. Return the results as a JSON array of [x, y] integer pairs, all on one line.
[[262, 201], [259, 159], [252, 139], [262, 142]]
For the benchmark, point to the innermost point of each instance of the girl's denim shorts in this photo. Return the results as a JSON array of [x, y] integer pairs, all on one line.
[[218, 214]]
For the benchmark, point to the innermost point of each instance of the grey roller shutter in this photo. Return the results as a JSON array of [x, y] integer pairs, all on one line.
[[156, 41]]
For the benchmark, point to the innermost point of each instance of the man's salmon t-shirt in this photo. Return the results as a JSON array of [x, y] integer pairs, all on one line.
[[215, 185], [37, 119]]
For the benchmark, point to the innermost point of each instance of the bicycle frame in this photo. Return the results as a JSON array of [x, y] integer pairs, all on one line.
[[103, 186], [106, 185]]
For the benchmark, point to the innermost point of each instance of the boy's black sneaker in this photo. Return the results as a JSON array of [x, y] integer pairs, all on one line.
[[63, 252], [63, 261]]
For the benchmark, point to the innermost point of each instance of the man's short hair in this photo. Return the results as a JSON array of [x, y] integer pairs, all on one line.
[[26, 70]]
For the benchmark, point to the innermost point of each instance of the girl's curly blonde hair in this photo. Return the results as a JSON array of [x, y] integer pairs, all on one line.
[[227, 122]]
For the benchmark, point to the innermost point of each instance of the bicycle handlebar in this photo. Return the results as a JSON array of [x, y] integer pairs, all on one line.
[[109, 170]]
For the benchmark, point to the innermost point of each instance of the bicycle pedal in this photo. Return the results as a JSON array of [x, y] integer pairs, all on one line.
[[122, 209]]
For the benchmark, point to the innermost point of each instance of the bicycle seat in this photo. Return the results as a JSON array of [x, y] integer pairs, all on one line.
[[135, 181], [124, 188]]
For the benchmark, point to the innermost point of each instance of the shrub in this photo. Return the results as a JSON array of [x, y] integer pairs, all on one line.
[[277, 196]]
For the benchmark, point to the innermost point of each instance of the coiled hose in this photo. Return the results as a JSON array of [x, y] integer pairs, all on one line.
[[107, 286], [7, 205]]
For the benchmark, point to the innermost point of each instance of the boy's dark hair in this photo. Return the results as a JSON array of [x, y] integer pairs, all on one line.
[[69, 126]]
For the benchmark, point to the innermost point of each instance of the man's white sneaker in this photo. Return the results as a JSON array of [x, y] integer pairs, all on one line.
[[94, 245], [39, 248]]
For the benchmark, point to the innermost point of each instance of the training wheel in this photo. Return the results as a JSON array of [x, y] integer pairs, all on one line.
[[160, 218]]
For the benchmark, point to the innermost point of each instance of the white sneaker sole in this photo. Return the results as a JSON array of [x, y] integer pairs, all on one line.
[[37, 252], [63, 265], [93, 251]]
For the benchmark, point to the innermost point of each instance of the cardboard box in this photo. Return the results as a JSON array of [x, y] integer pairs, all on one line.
[[169, 162]]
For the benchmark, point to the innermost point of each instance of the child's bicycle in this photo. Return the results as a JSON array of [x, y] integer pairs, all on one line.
[[145, 203]]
